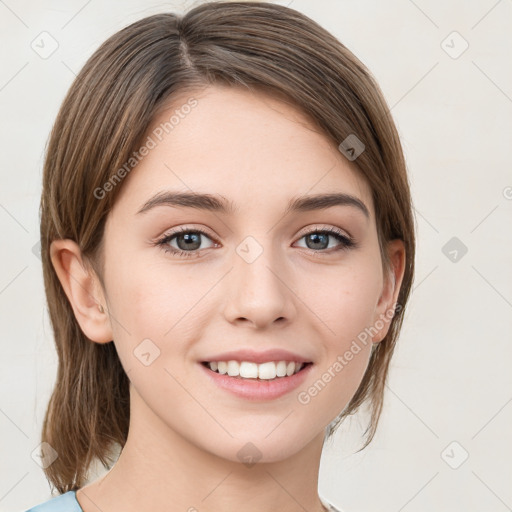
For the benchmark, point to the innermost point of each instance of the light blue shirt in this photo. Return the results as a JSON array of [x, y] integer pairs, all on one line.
[[66, 502]]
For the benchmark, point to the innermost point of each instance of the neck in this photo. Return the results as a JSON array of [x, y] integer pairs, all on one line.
[[160, 470]]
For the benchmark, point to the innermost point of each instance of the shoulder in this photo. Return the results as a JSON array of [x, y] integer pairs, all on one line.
[[329, 506], [332, 508], [66, 502]]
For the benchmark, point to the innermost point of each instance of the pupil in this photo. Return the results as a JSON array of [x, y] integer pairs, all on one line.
[[315, 237], [190, 239]]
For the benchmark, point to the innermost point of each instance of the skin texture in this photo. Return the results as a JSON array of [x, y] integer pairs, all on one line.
[[185, 433]]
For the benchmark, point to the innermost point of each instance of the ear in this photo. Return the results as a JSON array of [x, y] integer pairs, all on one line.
[[385, 309], [83, 290]]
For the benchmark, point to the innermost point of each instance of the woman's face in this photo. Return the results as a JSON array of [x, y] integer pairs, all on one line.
[[262, 276]]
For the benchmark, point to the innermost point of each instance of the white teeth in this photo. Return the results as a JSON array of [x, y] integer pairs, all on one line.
[[249, 370], [281, 368], [233, 368]]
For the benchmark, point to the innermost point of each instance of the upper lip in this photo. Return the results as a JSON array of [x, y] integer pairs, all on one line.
[[258, 357]]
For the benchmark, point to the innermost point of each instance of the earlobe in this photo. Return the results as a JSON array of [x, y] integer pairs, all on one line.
[[393, 280], [83, 290]]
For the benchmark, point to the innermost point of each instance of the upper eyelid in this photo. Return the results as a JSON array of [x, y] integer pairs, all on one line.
[[177, 231], [324, 227], [205, 231]]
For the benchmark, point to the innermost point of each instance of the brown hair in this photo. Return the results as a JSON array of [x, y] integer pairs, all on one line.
[[104, 119]]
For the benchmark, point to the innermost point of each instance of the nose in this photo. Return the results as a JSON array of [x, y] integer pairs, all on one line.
[[258, 288]]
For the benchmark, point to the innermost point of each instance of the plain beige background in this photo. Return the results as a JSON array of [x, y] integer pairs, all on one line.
[[444, 439]]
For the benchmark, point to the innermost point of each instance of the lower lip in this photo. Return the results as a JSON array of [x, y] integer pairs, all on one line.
[[255, 389]]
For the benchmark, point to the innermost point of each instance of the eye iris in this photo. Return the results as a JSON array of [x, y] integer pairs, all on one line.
[[190, 239], [324, 239]]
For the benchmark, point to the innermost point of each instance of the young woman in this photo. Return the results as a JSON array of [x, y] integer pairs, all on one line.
[[228, 246]]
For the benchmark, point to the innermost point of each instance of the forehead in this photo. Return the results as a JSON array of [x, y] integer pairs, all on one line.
[[250, 147]]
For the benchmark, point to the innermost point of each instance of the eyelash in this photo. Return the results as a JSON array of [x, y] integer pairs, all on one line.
[[346, 242]]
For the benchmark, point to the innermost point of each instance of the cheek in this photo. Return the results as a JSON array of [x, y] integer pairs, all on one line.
[[344, 306], [157, 309], [152, 295], [335, 384], [343, 299]]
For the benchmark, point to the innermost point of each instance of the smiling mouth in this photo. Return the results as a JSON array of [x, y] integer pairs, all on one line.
[[277, 372]]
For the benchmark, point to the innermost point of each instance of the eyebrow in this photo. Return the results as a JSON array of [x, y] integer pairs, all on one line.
[[218, 203]]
